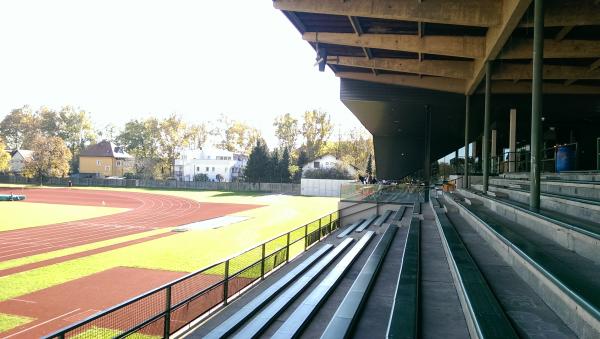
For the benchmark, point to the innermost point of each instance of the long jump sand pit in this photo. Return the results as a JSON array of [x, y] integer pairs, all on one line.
[[61, 305], [147, 211]]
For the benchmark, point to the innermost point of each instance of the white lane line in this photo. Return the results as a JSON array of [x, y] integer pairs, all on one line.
[[40, 324], [24, 301]]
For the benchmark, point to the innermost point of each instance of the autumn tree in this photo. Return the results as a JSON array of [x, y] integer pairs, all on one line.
[[174, 135], [19, 128], [141, 139], [316, 130], [50, 158], [286, 130], [237, 136], [198, 134], [370, 165], [4, 157]]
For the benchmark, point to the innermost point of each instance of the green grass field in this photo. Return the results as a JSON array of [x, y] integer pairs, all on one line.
[[8, 321], [17, 214], [187, 252]]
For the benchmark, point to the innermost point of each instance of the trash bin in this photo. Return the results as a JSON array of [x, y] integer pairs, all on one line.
[[565, 158]]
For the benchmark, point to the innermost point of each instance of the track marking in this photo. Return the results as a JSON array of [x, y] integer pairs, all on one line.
[[40, 324], [24, 301]]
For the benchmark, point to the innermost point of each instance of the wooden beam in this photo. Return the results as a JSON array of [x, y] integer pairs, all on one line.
[[568, 13], [506, 71], [442, 68], [522, 49], [426, 82], [483, 13], [524, 87], [496, 37], [563, 33], [459, 46], [594, 65]]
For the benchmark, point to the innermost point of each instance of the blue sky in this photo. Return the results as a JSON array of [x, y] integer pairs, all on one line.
[[127, 59]]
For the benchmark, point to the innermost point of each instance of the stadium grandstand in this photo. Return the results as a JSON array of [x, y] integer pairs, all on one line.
[[510, 248]]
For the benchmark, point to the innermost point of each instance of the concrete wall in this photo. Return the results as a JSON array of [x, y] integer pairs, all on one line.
[[322, 187]]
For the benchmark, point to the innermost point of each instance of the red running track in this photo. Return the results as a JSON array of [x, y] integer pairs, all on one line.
[[147, 212]]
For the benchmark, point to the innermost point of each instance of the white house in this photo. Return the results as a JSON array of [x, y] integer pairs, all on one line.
[[210, 161], [18, 159], [328, 161]]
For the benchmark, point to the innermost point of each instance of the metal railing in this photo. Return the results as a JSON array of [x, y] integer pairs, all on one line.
[[169, 308]]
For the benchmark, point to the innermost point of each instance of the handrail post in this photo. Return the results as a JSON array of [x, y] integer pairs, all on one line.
[[320, 228], [287, 252], [226, 283], [262, 263], [305, 236], [167, 329]]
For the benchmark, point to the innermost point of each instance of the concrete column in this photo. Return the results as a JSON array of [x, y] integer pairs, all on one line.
[[512, 140], [486, 127], [536, 104], [467, 110]]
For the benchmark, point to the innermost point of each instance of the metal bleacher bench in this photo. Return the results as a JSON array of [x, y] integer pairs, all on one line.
[[232, 323], [309, 306], [270, 312], [349, 310]]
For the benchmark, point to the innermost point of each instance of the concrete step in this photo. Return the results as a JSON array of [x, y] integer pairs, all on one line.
[[564, 280]]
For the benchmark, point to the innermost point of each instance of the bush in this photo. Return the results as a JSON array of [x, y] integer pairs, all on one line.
[[202, 177], [130, 175], [337, 173]]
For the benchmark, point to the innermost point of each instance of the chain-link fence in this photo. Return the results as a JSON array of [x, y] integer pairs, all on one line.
[[283, 188], [169, 308]]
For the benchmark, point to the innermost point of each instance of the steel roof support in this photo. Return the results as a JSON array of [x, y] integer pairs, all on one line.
[[536, 104], [467, 112], [486, 126]]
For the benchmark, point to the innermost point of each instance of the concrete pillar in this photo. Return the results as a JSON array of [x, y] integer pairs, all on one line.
[[512, 141], [536, 104], [486, 127], [467, 110]]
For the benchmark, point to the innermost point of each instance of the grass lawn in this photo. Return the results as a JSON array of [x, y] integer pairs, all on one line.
[[9, 321], [19, 214], [188, 251]]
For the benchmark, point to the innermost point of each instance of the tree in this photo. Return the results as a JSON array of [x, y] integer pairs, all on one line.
[[109, 132], [50, 158], [174, 135], [76, 129], [201, 177], [141, 139], [257, 166], [302, 160], [273, 167], [198, 134], [238, 137], [4, 157], [370, 165], [284, 166], [19, 128], [316, 130], [286, 130]]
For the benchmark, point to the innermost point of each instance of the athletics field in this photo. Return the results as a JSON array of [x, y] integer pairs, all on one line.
[[66, 254]]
